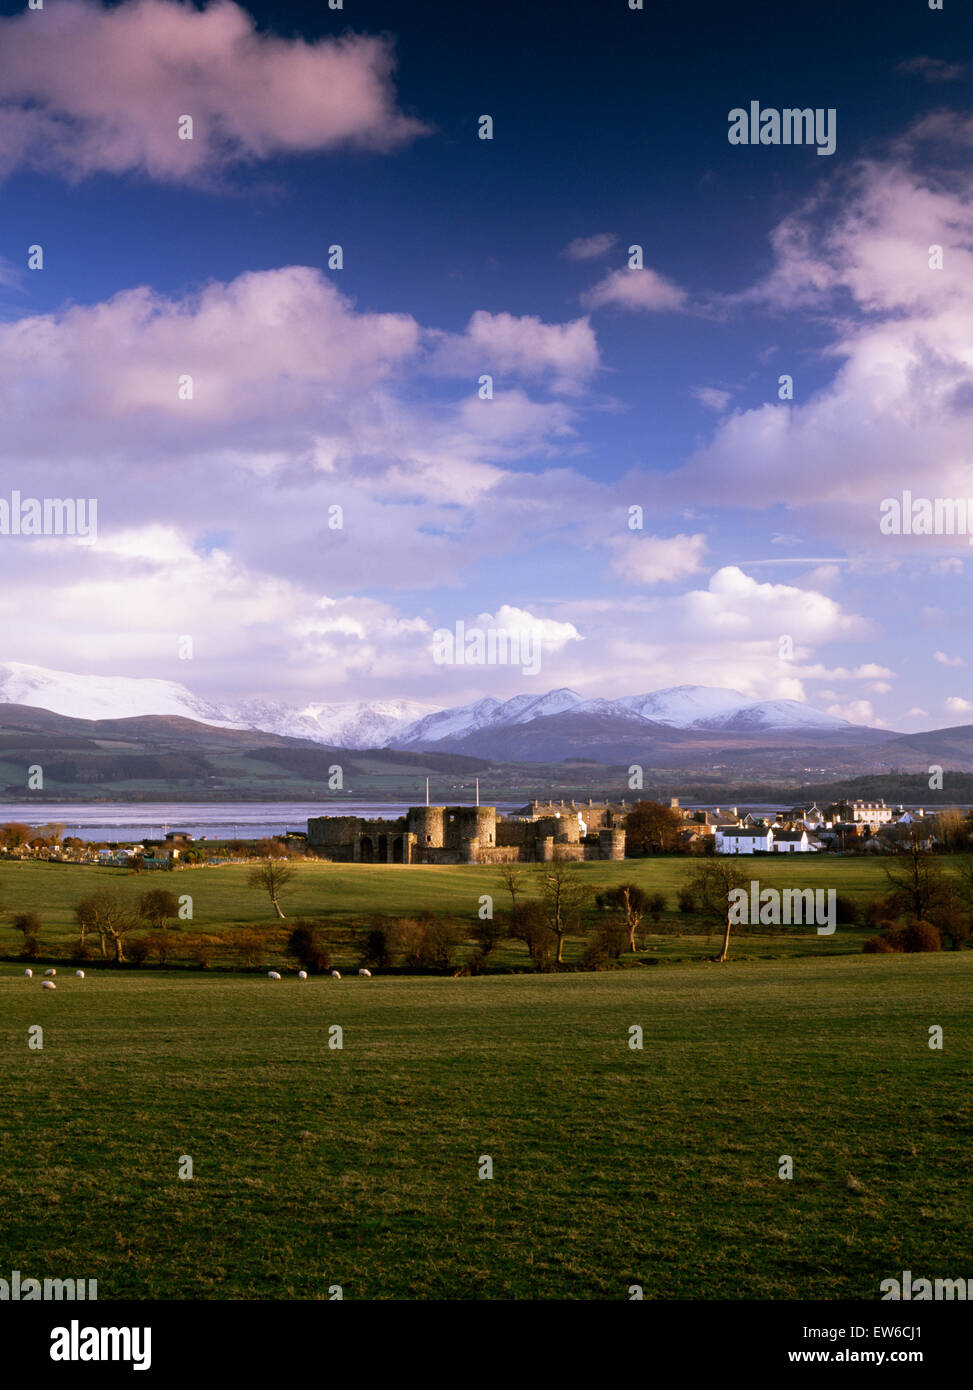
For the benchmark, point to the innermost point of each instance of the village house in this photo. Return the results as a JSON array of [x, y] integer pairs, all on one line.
[[744, 839], [871, 813], [791, 841]]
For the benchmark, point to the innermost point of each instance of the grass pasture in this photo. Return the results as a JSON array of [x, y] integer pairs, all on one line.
[[345, 896], [359, 1167]]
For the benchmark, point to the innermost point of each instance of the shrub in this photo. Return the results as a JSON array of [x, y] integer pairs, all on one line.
[[612, 939], [30, 925], [425, 943], [594, 956], [376, 948], [199, 950], [952, 919], [487, 934], [137, 949], [250, 946], [305, 944], [408, 942], [877, 946], [879, 912], [655, 906], [533, 930], [159, 945], [893, 935], [686, 900], [846, 910], [921, 936], [955, 928]]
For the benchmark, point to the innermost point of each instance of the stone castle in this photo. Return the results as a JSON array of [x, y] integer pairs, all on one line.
[[472, 835]]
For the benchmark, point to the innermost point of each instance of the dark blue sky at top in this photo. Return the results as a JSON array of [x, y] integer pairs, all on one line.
[[606, 120]]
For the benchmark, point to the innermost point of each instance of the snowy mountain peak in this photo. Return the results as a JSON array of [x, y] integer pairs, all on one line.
[[774, 714], [450, 723], [346, 724], [400, 723], [104, 697], [351, 724], [682, 705], [523, 708]]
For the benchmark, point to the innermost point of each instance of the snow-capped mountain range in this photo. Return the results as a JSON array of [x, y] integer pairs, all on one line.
[[681, 707], [361, 724], [410, 724]]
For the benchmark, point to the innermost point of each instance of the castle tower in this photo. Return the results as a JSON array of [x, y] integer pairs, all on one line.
[[611, 844], [427, 824]]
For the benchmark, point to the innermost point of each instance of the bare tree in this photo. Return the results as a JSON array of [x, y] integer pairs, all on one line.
[[952, 830], [563, 894], [711, 885], [157, 906], [630, 903], [534, 930], [513, 879], [272, 878], [109, 917], [916, 882]]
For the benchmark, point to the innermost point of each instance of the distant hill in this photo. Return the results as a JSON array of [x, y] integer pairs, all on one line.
[[952, 746], [168, 757], [157, 757]]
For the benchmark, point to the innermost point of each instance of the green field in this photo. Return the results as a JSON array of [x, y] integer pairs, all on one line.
[[344, 897], [612, 1167]]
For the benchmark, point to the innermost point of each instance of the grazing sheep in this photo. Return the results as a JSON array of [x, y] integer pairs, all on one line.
[[272, 975], [302, 974], [335, 975], [48, 984], [367, 974], [50, 972], [79, 974], [29, 974]]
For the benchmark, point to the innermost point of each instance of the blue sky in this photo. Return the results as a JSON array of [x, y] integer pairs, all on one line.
[[358, 387]]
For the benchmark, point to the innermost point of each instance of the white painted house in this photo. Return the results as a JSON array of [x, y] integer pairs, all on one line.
[[743, 839], [791, 842]]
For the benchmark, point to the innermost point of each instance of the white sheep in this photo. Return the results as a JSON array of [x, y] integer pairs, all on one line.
[[302, 974], [366, 973], [50, 972], [272, 975], [48, 984], [29, 974], [335, 975], [79, 974]]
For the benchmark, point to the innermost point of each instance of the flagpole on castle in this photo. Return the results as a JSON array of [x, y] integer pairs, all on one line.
[[427, 791], [478, 791]]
